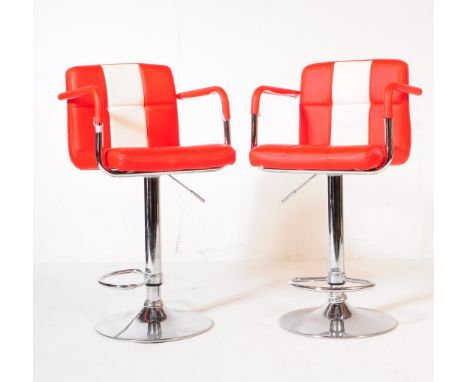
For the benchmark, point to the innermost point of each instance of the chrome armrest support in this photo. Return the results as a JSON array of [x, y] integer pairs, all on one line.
[[98, 126], [224, 104], [255, 106], [254, 131], [388, 123], [227, 132]]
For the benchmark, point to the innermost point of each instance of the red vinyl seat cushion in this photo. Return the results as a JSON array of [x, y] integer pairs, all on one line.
[[169, 158], [308, 157]]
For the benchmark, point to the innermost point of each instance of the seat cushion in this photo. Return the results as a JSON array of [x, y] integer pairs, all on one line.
[[306, 157], [169, 158]]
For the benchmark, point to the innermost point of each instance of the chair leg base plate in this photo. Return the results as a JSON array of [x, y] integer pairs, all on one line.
[[338, 320], [154, 324]]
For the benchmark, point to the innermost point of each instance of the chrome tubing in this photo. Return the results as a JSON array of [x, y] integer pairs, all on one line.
[[227, 132], [335, 231], [254, 131], [152, 240], [154, 322], [297, 189]]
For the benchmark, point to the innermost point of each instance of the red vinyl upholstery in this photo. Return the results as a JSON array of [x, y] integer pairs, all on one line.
[[169, 158], [137, 104], [350, 98], [322, 158]]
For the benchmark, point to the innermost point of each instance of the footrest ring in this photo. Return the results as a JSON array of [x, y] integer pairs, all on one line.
[[322, 285], [124, 272]]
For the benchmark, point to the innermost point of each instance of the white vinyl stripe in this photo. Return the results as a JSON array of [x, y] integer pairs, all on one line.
[[124, 85], [351, 103], [125, 100], [128, 126]]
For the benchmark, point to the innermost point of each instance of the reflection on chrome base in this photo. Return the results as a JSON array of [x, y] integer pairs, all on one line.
[[338, 320], [154, 324]]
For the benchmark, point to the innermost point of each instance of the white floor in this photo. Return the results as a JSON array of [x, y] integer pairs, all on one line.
[[246, 344]]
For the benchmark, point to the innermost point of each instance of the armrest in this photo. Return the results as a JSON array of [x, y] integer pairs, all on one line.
[[269, 90], [86, 91], [396, 87], [256, 106], [210, 90]]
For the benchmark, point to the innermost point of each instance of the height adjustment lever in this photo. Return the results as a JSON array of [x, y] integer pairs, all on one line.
[[293, 192], [188, 189]]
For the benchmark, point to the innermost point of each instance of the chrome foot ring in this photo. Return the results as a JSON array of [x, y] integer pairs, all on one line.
[[321, 284], [121, 273]]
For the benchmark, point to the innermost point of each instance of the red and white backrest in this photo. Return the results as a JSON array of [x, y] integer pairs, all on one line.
[[140, 109], [342, 104]]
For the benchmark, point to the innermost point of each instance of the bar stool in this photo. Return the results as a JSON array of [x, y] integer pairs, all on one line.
[[122, 120], [354, 120]]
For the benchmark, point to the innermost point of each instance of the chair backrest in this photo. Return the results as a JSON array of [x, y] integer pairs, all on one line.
[[140, 109], [342, 103]]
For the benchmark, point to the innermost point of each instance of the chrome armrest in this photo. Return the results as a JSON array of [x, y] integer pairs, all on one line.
[[224, 104], [255, 107]]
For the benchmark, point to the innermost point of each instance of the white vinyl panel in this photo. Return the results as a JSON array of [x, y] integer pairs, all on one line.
[[126, 111], [128, 126], [124, 85], [350, 113], [350, 125]]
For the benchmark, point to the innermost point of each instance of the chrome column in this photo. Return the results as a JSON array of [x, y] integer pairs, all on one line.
[[154, 322], [335, 231], [152, 241], [337, 318]]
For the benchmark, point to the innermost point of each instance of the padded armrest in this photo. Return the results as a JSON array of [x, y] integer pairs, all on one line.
[[269, 90], [210, 90], [396, 87], [85, 91]]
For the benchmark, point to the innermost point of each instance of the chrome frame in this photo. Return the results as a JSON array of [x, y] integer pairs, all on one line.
[[227, 132], [356, 284], [336, 319], [154, 322], [336, 269], [124, 272]]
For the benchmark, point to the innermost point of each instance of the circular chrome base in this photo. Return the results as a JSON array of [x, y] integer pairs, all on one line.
[[338, 320], [154, 324]]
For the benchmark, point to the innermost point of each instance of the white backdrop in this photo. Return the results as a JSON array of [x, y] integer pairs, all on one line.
[[239, 45]]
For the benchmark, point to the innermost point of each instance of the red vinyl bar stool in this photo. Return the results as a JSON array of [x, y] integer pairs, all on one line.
[[122, 120], [354, 119]]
